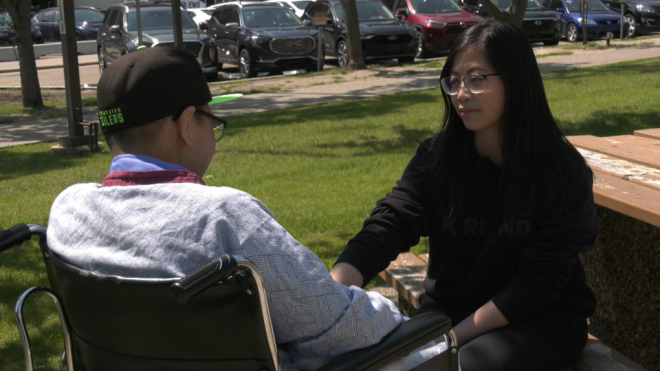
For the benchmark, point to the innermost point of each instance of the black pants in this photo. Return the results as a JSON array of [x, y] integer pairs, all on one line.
[[517, 347]]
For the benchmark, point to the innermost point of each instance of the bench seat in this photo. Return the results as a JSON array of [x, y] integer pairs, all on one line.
[[406, 274]]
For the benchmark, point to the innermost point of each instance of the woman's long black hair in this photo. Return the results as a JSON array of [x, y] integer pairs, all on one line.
[[528, 132]]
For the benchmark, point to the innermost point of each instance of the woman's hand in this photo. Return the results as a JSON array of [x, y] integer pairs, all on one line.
[[347, 275], [485, 319]]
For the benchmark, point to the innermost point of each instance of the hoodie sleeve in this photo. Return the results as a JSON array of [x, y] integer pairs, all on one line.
[[395, 224]]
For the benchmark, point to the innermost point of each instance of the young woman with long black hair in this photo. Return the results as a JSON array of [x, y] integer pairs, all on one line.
[[507, 204]]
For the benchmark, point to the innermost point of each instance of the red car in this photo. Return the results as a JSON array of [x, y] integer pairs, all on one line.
[[438, 22]]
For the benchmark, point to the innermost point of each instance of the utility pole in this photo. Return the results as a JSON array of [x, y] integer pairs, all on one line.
[[71, 72], [176, 23], [76, 139]]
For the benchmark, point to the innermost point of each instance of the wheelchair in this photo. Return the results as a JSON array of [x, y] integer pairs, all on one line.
[[215, 318]]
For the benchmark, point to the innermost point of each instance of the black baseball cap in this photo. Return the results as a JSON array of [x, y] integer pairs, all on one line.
[[150, 84]]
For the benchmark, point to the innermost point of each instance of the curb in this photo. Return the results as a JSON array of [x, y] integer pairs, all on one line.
[[47, 67]]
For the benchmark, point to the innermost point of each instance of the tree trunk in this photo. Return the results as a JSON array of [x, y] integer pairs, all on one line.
[[19, 11], [355, 56], [513, 15]]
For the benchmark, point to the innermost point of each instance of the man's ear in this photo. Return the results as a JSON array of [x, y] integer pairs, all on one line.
[[184, 125]]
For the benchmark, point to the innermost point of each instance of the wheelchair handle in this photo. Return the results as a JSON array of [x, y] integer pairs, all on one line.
[[218, 270], [14, 236]]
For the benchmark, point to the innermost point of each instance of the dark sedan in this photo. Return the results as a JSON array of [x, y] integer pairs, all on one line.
[[262, 37], [118, 35], [642, 15], [8, 35], [46, 23], [600, 20], [539, 24], [383, 36]]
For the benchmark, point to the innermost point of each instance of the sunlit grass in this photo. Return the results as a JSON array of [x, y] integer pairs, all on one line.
[[320, 169]]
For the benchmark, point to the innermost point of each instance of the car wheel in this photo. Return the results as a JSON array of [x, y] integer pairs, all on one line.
[[245, 64], [632, 25], [406, 59], [342, 53], [571, 33], [551, 42], [102, 65], [78, 36], [421, 46]]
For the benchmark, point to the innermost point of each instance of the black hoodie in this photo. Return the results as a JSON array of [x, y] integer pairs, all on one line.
[[528, 266]]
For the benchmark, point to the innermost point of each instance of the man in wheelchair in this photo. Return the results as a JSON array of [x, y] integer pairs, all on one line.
[[153, 216]]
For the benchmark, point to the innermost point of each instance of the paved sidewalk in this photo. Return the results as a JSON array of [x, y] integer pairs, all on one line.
[[48, 62], [48, 130]]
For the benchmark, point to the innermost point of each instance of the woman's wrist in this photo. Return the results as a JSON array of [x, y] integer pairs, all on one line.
[[347, 275]]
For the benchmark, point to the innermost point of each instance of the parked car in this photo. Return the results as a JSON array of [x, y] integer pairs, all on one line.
[[8, 34], [642, 15], [262, 37], [118, 35], [87, 20], [438, 22], [298, 6], [200, 16], [539, 24], [383, 36], [600, 19]]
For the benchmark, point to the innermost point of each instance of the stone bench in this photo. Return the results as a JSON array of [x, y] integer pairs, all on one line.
[[406, 274]]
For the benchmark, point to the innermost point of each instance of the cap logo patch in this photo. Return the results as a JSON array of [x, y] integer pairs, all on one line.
[[111, 117]]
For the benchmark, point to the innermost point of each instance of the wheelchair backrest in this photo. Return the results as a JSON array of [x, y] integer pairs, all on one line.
[[127, 324]]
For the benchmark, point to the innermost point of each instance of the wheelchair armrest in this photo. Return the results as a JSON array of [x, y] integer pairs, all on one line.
[[409, 336], [217, 270], [20, 233]]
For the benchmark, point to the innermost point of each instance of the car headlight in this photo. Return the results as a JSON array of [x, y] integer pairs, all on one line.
[[589, 21], [259, 41], [436, 24], [367, 37], [645, 8]]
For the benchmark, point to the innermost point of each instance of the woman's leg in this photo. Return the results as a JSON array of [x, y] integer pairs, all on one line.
[[511, 348]]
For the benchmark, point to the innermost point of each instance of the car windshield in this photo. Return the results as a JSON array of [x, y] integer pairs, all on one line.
[[594, 5], [368, 11], [275, 17], [158, 18], [301, 4], [207, 12], [531, 4], [435, 6], [88, 15], [5, 21]]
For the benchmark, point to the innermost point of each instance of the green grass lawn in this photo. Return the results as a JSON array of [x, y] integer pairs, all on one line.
[[320, 169]]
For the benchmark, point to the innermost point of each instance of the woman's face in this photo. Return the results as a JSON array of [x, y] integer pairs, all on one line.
[[481, 113]]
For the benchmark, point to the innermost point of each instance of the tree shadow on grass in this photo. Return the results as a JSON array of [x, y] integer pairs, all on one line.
[[407, 139], [609, 123], [337, 111], [638, 67], [18, 164]]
